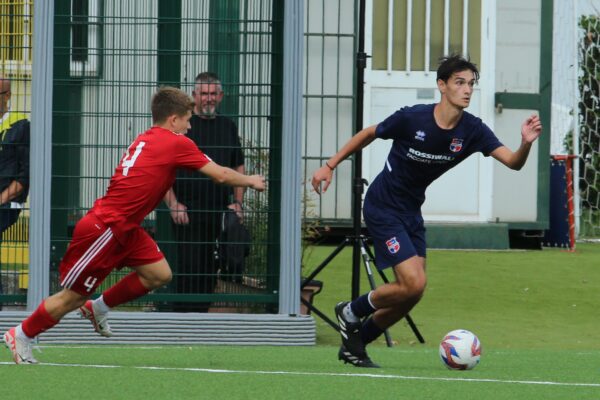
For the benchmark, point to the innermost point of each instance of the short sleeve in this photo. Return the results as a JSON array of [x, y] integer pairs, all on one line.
[[393, 126], [189, 155], [487, 141]]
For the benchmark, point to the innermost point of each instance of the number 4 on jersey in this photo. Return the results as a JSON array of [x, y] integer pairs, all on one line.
[[127, 161]]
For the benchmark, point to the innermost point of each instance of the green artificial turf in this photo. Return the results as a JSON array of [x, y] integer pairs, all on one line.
[[510, 299], [535, 313], [230, 372]]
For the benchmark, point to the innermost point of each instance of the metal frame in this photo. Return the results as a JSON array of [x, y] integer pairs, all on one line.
[[41, 153], [289, 274]]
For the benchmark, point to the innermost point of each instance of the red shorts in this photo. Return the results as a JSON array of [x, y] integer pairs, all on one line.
[[94, 252]]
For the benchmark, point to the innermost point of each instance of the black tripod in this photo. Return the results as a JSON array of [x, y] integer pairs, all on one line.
[[360, 249]]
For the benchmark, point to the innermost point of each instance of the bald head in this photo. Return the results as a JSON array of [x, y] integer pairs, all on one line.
[[4, 84], [4, 95]]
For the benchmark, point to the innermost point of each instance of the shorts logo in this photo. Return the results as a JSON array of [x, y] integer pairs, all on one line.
[[393, 245], [456, 145]]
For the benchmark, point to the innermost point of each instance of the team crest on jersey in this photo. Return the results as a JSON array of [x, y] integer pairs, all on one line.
[[393, 245], [456, 145], [420, 135]]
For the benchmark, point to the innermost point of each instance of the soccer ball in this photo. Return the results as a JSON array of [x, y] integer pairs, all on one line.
[[460, 349]]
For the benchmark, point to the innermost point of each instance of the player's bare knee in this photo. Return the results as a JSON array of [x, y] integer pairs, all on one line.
[[166, 278], [415, 287], [161, 279], [419, 288]]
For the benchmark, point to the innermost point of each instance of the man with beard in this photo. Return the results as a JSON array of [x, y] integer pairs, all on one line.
[[196, 203]]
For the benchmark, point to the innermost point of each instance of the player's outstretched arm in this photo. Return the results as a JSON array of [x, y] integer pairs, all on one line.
[[324, 174], [531, 129], [228, 176]]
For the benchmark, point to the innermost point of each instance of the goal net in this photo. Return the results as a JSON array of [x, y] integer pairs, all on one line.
[[589, 126]]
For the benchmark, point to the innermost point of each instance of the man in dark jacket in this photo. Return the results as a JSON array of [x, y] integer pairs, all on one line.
[[196, 203], [14, 162]]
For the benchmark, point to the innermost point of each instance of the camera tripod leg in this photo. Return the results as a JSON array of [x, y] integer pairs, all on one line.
[[319, 268]]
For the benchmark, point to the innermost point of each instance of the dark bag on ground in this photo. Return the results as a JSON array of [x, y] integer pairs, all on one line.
[[233, 246]]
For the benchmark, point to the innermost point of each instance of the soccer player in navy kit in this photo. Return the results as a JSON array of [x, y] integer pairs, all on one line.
[[428, 140]]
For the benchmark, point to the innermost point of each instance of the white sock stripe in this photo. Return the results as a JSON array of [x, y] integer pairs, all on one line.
[[369, 299], [90, 253]]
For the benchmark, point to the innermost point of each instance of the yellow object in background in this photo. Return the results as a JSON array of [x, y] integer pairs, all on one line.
[[14, 253]]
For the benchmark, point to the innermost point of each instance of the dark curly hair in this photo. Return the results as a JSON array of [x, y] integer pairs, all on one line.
[[455, 63]]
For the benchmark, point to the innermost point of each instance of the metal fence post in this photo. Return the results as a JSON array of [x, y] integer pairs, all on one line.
[[41, 153]]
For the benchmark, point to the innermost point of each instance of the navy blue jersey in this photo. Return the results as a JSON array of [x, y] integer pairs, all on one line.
[[422, 152]]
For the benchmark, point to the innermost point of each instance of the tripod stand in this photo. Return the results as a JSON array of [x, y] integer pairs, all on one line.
[[360, 248]]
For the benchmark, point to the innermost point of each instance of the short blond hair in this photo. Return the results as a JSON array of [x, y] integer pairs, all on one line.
[[169, 101]]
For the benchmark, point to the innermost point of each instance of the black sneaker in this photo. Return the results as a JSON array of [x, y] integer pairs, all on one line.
[[361, 362], [350, 332]]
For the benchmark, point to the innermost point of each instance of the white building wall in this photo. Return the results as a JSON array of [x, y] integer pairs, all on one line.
[[129, 58], [517, 70]]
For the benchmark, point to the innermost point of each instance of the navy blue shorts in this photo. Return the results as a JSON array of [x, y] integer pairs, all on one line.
[[395, 238]]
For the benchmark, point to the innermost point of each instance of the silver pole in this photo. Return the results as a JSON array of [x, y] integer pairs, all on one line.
[[40, 153], [289, 281]]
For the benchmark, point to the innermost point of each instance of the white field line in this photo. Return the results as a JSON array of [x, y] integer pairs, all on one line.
[[192, 346], [334, 374]]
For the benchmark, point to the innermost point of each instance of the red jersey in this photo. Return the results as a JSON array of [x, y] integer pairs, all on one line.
[[145, 173]]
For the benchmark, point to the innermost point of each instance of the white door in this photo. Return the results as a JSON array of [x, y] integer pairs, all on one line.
[[405, 39]]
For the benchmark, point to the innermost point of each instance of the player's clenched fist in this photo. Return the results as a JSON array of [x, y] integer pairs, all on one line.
[[323, 174], [258, 183]]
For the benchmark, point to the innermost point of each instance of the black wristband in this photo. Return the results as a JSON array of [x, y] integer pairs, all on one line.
[[329, 166]]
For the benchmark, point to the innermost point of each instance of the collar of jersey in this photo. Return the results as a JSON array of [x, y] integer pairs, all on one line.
[[165, 129]]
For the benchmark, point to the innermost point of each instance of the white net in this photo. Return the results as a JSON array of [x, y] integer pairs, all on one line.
[[589, 126]]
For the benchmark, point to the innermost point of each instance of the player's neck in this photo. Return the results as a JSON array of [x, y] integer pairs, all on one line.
[[166, 126], [446, 115]]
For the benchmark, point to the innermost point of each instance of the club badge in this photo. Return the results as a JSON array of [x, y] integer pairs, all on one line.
[[393, 245], [456, 145]]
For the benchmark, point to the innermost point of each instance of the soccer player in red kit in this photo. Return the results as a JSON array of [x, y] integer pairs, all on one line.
[[110, 235]]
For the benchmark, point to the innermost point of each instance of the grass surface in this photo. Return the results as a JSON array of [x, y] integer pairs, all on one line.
[[231, 372], [535, 313], [510, 299]]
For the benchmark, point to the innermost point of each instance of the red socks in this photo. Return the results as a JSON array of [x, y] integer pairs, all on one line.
[[38, 322], [127, 289]]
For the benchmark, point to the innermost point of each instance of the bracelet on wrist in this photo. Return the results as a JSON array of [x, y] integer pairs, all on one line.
[[329, 166]]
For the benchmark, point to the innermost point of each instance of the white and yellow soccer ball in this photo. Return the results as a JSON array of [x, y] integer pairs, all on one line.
[[460, 350]]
